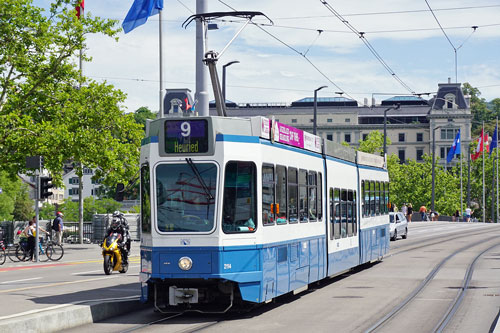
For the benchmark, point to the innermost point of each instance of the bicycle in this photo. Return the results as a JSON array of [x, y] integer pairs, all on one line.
[[3, 256], [22, 251], [54, 250]]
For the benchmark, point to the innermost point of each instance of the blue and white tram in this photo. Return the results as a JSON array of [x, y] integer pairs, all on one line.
[[239, 209]]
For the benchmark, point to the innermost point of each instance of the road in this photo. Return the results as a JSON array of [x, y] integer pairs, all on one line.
[[77, 277], [353, 302]]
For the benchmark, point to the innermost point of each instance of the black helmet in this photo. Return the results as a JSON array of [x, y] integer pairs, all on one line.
[[115, 224]]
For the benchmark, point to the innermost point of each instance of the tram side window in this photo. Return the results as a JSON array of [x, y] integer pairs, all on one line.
[[343, 213], [293, 195], [363, 201], [386, 198], [332, 213], [240, 198], [312, 195], [350, 221], [355, 214], [303, 209], [383, 204], [372, 198], [336, 202], [281, 195], [320, 196], [145, 199], [267, 194], [377, 198]]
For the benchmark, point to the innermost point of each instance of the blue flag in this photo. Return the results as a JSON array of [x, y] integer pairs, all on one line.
[[139, 13], [494, 140], [455, 148]]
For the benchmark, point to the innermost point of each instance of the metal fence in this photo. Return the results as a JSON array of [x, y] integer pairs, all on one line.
[[94, 230]]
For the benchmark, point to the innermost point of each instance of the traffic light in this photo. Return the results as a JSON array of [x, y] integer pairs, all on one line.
[[45, 186]]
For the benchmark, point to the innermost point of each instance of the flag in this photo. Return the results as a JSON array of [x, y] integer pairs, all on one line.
[[455, 148], [80, 5], [481, 143], [494, 140], [139, 13]]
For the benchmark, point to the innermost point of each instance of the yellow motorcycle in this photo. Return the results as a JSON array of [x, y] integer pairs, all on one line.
[[112, 254]]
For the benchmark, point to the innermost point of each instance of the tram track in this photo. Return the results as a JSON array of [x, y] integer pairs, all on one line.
[[457, 300]]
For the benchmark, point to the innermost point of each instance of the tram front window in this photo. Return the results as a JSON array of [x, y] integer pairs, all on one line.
[[185, 196]]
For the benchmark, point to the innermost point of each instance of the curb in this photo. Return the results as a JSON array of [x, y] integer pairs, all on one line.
[[67, 316]]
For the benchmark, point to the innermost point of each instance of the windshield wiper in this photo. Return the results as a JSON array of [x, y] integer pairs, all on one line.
[[200, 180]]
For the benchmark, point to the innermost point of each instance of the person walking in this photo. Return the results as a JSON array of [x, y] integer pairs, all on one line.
[[456, 216], [422, 212], [30, 231], [409, 212], [468, 214], [404, 209], [57, 226]]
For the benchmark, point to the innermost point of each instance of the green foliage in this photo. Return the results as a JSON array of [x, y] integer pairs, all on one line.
[[102, 206], [374, 143], [143, 113], [10, 186], [23, 205], [70, 210], [47, 211]]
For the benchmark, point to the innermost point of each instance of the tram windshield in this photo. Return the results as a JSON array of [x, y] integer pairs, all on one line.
[[185, 196]]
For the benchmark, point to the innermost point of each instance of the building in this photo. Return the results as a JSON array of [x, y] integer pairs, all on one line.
[[72, 185], [411, 121]]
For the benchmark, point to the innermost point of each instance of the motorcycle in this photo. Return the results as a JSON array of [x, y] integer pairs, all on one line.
[[112, 254]]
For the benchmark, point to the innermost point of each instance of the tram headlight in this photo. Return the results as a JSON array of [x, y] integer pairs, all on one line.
[[185, 263]]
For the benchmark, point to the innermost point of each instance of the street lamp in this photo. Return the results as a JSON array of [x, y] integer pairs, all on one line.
[[433, 165], [224, 77], [394, 107], [316, 107]]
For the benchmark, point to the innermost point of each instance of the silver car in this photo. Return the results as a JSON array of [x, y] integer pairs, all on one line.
[[399, 225]]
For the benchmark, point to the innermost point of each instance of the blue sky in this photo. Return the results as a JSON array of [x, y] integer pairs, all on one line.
[[403, 32]]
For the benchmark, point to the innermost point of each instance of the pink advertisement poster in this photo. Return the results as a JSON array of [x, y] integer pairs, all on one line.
[[289, 135]]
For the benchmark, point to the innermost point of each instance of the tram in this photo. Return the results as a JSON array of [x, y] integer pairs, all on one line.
[[242, 210]]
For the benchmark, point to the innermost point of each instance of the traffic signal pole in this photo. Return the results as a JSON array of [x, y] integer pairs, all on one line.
[[38, 191]]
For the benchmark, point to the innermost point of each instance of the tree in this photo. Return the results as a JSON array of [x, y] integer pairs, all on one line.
[[47, 211], [143, 113], [374, 143], [10, 186], [23, 205]]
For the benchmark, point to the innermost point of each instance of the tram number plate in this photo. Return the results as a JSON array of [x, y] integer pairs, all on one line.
[[186, 136]]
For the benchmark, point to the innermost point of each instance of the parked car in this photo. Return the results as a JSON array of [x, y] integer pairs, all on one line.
[[398, 225], [73, 239]]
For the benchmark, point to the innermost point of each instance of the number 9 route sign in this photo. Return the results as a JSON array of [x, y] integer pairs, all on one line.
[[186, 136]]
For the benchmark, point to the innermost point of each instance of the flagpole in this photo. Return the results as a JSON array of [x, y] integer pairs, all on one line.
[[484, 192], [497, 169], [461, 183], [161, 61]]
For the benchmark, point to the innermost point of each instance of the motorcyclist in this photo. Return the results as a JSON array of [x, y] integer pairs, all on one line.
[[119, 224]]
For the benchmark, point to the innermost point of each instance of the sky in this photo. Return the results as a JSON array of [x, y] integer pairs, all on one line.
[[288, 60]]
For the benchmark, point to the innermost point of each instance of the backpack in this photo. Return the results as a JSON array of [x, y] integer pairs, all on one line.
[[55, 225]]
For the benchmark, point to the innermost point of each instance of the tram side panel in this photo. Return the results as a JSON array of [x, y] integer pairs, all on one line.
[[342, 222], [293, 246], [374, 220]]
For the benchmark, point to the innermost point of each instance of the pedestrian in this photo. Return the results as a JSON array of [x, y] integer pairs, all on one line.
[[422, 212], [409, 212], [468, 214], [434, 216], [30, 231], [57, 226], [404, 209], [456, 216]]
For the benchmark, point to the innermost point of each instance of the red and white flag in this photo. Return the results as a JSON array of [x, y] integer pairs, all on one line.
[[79, 8], [482, 144]]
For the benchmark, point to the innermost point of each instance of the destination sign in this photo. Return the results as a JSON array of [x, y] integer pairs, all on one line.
[[188, 136]]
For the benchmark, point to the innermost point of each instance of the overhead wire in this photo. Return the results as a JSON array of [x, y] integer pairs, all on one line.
[[296, 51], [368, 45]]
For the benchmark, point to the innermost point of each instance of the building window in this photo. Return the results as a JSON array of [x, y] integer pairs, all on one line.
[[87, 171], [73, 191], [294, 121], [420, 137], [449, 133], [74, 180], [329, 120], [347, 137], [347, 120], [444, 152], [402, 156], [420, 153], [329, 137], [365, 136], [401, 137], [450, 101]]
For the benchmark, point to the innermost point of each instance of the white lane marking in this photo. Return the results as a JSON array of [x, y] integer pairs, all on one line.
[[98, 270], [36, 278]]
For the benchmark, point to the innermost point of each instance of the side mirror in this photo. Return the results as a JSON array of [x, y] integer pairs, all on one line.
[[120, 192]]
